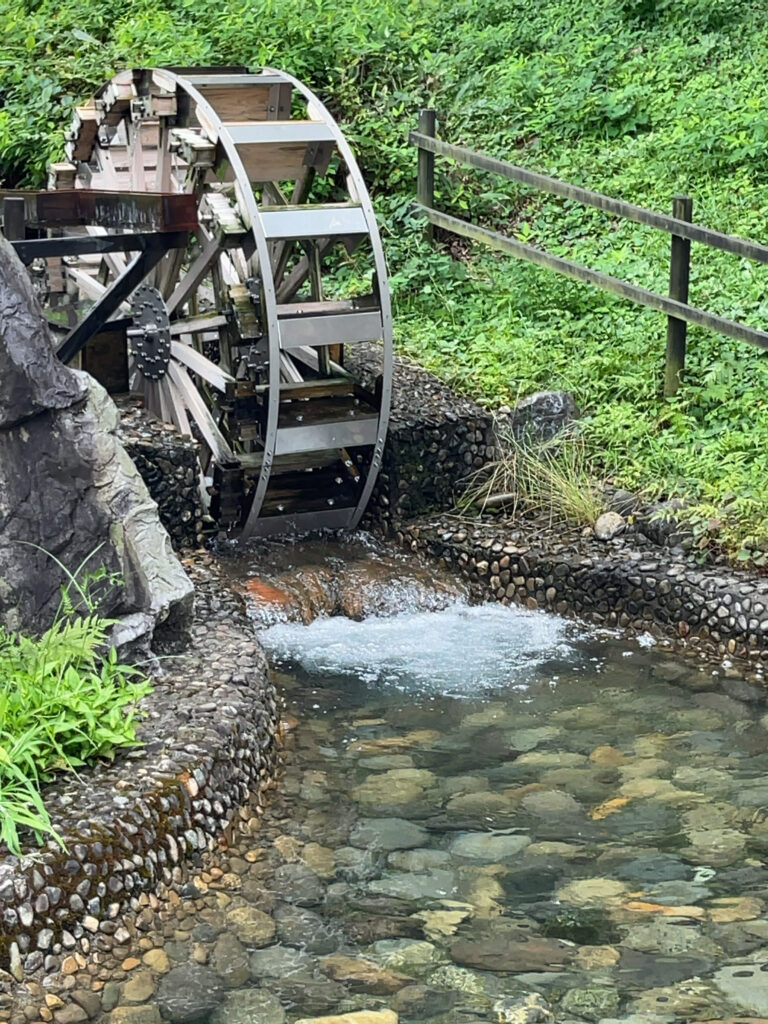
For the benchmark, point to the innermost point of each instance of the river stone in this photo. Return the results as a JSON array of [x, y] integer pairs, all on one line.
[[296, 883], [410, 955], [305, 929], [552, 805], [431, 885], [135, 1015], [653, 868], [278, 961], [383, 762], [139, 986], [525, 740], [397, 786], [417, 1002], [488, 846], [609, 525], [669, 938], [249, 1006], [356, 865], [643, 970], [359, 974], [418, 860], [594, 892], [531, 1009], [251, 926], [357, 1017], [189, 993], [387, 834], [511, 949], [692, 1000], [230, 960], [746, 986], [591, 1002], [483, 805], [541, 416], [306, 993]]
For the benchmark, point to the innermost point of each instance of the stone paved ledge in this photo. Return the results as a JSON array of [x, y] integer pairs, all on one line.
[[132, 827], [628, 582], [168, 464], [436, 440]]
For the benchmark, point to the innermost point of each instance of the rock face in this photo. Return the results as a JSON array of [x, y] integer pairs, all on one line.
[[69, 489]]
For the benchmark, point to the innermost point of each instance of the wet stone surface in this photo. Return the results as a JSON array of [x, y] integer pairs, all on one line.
[[575, 834]]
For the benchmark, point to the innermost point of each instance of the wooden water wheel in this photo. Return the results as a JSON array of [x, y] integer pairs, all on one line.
[[238, 336]]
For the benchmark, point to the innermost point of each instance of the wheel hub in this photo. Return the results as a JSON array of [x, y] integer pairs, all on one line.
[[150, 336]]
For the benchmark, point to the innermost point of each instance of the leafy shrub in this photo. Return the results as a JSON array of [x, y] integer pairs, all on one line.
[[63, 703]]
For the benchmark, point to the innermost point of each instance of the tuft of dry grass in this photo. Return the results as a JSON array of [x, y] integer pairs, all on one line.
[[554, 478]]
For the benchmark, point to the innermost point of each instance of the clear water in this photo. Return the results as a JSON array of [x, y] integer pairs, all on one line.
[[495, 815]]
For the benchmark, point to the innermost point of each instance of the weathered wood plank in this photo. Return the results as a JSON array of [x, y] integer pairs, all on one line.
[[642, 296]]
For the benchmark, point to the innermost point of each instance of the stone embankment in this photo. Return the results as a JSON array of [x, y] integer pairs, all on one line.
[[133, 829]]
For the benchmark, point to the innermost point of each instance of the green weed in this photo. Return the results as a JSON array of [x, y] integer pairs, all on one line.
[[554, 480], [63, 703]]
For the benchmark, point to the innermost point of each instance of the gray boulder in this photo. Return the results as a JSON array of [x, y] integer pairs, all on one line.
[[540, 416], [69, 494]]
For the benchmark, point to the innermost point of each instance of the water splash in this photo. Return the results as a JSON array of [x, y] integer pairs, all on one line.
[[459, 650]]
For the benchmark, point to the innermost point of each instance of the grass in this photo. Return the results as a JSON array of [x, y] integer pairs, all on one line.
[[641, 99], [552, 480]]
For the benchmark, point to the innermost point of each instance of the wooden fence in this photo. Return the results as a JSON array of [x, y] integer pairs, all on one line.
[[679, 226]]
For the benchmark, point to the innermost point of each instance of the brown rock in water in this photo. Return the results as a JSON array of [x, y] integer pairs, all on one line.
[[502, 945], [361, 975]]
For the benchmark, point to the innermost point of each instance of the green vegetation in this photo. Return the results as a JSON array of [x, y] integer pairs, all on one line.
[[62, 703], [553, 480], [638, 98]]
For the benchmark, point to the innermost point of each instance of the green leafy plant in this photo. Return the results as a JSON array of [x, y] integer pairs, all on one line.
[[64, 701]]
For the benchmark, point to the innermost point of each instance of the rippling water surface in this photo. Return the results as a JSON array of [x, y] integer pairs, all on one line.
[[495, 815]]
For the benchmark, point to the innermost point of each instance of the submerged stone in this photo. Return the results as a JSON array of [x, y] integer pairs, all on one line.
[[382, 835], [745, 985], [488, 846], [189, 993], [430, 885], [248, 1006], [593, 1002]]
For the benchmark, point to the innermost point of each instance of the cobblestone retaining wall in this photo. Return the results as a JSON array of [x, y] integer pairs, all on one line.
[[436, 440], [643, 588], [168, 465], [209, 737]]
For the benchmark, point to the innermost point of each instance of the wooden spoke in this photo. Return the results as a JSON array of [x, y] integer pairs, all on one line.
[[203, 367]]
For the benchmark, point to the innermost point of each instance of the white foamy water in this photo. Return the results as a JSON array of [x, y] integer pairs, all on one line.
[[461, 649]]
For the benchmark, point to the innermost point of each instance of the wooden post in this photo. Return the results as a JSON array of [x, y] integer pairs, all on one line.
[[13, 218], [679, 274], [425, 181]]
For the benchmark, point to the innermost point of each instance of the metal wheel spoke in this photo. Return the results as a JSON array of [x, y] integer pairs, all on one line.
[[202, 366]]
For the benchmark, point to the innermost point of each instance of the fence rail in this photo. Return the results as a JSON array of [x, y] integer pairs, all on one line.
[[679, 226]]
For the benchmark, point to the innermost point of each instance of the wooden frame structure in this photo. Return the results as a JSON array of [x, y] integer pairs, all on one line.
[[206, 211], [679, 226]]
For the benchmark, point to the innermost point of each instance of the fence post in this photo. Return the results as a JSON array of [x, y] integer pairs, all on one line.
[[13, 218], [425, 180], [679, 274]]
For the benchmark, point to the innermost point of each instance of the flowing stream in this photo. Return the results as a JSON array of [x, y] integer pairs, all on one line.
[[486, 814]]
